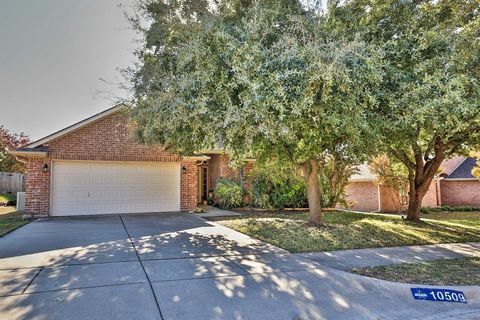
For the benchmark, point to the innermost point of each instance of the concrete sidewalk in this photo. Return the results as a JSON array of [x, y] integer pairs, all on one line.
[[360, 258]]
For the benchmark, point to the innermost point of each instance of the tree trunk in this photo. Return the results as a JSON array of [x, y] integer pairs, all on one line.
[[421, 173], [414, 203], [310, 171]]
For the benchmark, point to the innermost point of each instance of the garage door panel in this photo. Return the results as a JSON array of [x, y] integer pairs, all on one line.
[[84, 187]]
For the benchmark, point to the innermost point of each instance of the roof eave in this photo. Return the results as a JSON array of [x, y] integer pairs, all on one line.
[[28, 154], [195, 158]]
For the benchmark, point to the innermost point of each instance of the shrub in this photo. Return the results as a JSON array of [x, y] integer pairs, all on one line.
[[270, 193], [449, 208], [426, 210], [228, 193]]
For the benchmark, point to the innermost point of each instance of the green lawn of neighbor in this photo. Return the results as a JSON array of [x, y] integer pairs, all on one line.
[[10, 220], [4, 198], [347, 230], [465, 271]]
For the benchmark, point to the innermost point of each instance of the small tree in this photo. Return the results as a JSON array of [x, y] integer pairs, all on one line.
[[394, 176], [11, 141], [268, 81], [334, 174]]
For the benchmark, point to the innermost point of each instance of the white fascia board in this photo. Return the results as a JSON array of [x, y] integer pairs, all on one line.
[[29, 154]]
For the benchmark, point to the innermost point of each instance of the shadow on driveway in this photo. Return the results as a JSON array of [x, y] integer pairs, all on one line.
[[179, 266]]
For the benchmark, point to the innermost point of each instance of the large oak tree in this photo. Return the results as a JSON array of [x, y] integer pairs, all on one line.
[[429, 99], [263, 78]]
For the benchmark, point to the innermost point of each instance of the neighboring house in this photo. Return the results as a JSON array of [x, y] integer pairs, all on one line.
[[454, 186], [96, 167]]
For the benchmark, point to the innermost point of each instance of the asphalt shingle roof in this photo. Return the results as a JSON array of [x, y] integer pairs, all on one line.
[[464, 170]]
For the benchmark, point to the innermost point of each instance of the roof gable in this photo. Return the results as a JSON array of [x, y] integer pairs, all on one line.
[[464, 170], [74, 127]]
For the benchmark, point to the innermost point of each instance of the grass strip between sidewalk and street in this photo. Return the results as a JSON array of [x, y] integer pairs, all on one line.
[[464, 271]]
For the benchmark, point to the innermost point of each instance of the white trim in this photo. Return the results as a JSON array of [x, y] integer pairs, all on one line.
[[215, 151], [379, 199], [460, 179], [361, 180], [202, 158], [75, 126]]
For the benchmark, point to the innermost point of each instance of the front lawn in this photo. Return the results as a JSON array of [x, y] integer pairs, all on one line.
[[347, 230], [10, 220], [465, 271]]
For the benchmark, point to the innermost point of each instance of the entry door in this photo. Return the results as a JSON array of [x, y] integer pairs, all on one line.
[[84, 187]]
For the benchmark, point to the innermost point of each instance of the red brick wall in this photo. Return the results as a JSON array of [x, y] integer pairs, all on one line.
[[362, 195], [219, 168], [188, 186], [214, 169], [247, 169], [37, 187], [108, 139], [365, 196], [389, 200], [431, 197], [460, 193]]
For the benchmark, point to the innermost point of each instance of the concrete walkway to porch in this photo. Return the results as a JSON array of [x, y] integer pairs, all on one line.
[[211, 212], [360, 258]]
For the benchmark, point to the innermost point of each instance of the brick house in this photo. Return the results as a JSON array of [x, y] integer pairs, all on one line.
[[96, 167], [454, 186]]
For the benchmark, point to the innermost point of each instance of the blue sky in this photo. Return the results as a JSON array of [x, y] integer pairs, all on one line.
[[53, 55]]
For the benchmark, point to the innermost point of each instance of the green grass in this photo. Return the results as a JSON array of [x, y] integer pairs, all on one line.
[[346, 230], [10, 220], [465, 271], [7, 198]]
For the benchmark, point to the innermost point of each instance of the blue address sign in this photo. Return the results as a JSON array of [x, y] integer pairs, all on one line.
[[441, 295]]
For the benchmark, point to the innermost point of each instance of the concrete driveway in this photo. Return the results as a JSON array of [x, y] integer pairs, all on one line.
[[179, 266]]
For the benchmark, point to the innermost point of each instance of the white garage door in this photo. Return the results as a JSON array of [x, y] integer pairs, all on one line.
[[82, 187]]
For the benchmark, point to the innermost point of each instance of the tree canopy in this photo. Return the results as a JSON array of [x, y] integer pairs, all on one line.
[[11, 141], [428, 103], [270, 79], [270, 83]]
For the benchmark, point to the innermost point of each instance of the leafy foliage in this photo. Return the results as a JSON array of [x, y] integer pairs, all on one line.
[[11, 141], [476, 169], [263, 79], [428, 100], [228, 193], [449, 208], [393, 175], [278, 186], [334, 174]]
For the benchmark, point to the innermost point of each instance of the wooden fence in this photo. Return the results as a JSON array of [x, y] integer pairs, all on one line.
[[11, 183]]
